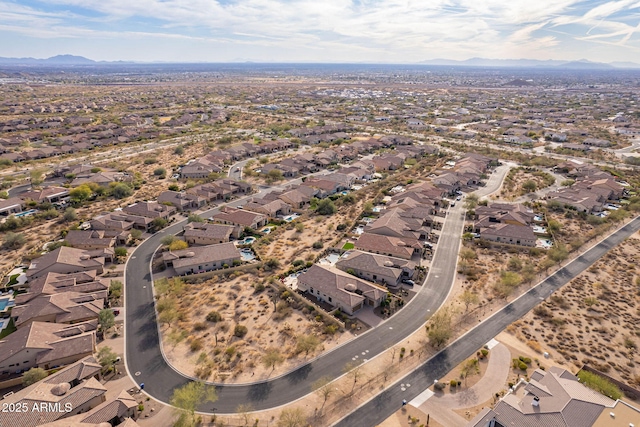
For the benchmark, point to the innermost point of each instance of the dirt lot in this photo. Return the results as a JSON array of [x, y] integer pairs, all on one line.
[[521, 181], [594, 319]]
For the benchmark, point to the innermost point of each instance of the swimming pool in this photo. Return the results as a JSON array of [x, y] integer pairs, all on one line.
[[266, 230], [247, 255], [4, 302], [25, 213], [291, 217]]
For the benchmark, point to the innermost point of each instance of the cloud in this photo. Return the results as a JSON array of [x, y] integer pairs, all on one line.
[[398, 30]]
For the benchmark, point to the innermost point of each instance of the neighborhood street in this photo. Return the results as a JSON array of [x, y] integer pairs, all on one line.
[[147, 365], [390, 400]]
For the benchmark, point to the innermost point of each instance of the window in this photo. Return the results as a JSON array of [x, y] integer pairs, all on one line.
[[330, 299]]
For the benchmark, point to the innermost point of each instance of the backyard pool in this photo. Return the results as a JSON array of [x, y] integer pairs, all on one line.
[[247, 240], [247, 255], [539, 230], [25, 213], [291, 217], [5, 302], [266, 230]]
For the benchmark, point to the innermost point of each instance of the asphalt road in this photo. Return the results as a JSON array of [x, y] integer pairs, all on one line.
[[389, 401], [146, 364]]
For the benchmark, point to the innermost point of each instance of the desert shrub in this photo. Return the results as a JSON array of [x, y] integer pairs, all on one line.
[[523, 366], [453, 383], [240, 331], [196, 345], [318, 245], [214, 316]]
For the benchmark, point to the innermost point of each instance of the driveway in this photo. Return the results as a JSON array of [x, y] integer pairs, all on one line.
[[441, 405]]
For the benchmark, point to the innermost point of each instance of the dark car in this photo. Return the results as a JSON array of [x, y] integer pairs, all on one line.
[[408, 282]]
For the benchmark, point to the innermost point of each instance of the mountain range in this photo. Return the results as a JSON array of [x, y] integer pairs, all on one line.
[[583, 64]]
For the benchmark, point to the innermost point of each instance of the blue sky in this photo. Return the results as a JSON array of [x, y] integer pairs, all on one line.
[[394, 31]]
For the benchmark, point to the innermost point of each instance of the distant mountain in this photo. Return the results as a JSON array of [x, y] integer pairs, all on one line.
[[69, 60], [54, 60], [582, 64]]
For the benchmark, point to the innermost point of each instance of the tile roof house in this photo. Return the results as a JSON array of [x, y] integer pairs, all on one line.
[[273, 209], [505, 223], [53, 283], [75, 388], [89, 239], [202, 233], [298, 197], [553, 398], [149, 210], [69, 260], [339, 289], [392, 246], [182, 201], [12, 205], [49, 194], [394, 224], [240, 217], [46, 345], [388, 271], [61, 307], [202, 258]]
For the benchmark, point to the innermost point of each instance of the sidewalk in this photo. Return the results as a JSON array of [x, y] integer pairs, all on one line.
[[441, 406]]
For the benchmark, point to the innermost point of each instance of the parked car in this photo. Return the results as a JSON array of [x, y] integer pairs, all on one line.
[[409, 282]]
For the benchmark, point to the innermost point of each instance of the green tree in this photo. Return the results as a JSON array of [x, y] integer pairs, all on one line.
[[306, 344], [530, 186], [326, 207], [33, 375], [106, 356], [120, 251], [80, 194], [121, 190], [469, 368], [468, 297], [195, 218], [439, 328], [115, 289], [177, 245], [106, 319], [158, 223], [168, 239], [70, 215], [188, 398], [471, 201], [271, 358], [554, 226], [36, 176], [274, 175], [292, 417], [13, 240], [136, 234]]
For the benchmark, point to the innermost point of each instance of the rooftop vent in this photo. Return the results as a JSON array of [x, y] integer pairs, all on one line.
[[190, 254], [536, 401], [350, 287]]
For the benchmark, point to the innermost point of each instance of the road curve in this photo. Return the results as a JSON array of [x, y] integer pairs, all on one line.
[[387, 402], [146, 364]]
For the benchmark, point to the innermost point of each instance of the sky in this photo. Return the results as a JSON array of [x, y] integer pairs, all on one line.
[[334, 31]]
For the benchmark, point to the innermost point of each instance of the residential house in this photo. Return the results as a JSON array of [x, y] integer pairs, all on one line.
[[89, 239], [394, 224], [46, 345], [388, 271], [61, 307], [202, 258], [272, 208], [181, 201], [202, 233], [75, 387], [52, 283], [392, 246], [120, 411], [49, 194], [240, 217], [339, 289], [298, 197], [323, 187], [69, 260], [12, 205], [505, 223], [201, 168], [151, 210], [556, 398]]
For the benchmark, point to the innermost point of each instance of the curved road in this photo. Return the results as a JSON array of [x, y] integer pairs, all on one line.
[[146, 364], [386, 403]]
